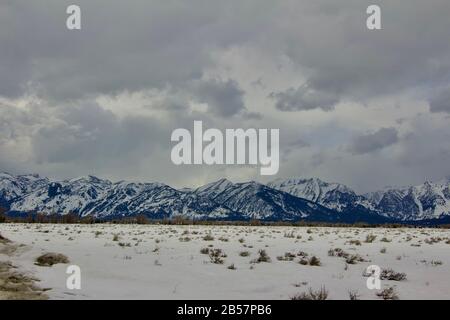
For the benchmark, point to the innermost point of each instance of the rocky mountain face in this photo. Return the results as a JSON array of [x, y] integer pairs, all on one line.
[[331, 195], [101, 198], [415, 203], [422, 202], [257, 201], [281, 200], [12, 187]]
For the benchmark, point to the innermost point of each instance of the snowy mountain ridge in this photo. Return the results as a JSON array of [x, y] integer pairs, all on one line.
[[426, 201], [289, 199]]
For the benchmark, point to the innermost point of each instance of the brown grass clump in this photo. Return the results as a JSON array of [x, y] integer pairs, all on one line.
[[244, 253], [303, 262], [4, 240], [263, 257], [388, 294], [216, 256], [355, 242], [354, 259], [7, 246], [353, 295], [288, 256], [232, 267], [16, 286], [314, 261], [389, 274], [321, 294], [349, 258], [49, 259], [370, 238], [208, 237]]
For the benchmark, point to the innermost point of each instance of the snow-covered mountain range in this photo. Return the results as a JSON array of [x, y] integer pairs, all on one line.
[[415, 203], [280, 200]]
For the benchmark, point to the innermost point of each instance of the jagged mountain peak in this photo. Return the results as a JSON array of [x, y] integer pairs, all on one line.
[[331, 195], [88, 179], [4, 174], [444, 182], [252, 183], [297, 180], [220, 182], [214, 188], [429, 200], [31, 176], [12, 187]]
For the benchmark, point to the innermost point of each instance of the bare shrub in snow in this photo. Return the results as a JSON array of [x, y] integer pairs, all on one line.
[[263, 257], [321, 294], [314, 261], [370, 238], [49, 259], [388, 294], [389, 274], [216, 256]]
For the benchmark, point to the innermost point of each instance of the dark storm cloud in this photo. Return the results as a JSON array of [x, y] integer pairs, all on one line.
[[224, 98], [86, 132], [344, 60], [130, 46], [374, 141], [304, 98], [298, 144], [293, 146], [134, 46], [123, 46], [441, 102]]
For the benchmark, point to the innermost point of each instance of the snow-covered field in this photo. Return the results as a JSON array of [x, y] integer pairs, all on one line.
[[166, 262]]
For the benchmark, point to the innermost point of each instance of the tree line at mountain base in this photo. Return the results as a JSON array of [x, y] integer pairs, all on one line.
[[72, 218]]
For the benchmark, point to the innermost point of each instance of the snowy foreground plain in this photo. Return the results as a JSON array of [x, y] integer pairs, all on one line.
[[165, 262]]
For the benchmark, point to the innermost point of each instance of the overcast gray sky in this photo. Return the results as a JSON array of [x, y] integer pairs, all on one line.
[[365, 108]]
